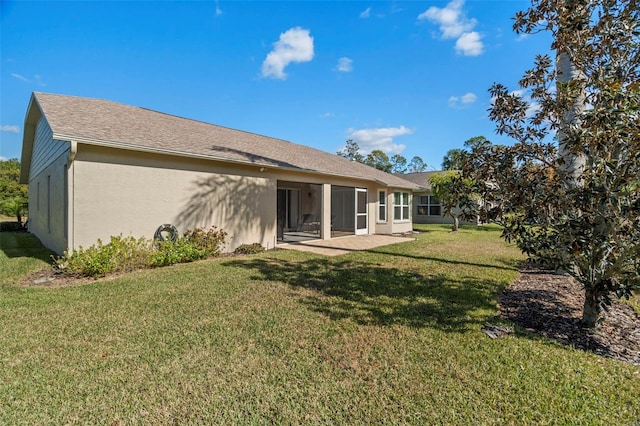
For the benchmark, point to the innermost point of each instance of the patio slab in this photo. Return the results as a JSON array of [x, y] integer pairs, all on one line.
[[344, 245]]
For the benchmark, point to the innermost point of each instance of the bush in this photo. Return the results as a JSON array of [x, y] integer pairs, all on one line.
[[121, 254], [249, 249], [12, 227], [125, 254], [212, 240], [182, 251]]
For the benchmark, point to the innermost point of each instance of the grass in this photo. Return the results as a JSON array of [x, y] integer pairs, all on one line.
[[390, 335]]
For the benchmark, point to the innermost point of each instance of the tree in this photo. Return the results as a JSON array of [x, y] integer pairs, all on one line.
[[453, 159], [575, 205], [398, 164], [351, 151], [417, 165], [379, 160], [455, 194], [13, 195]]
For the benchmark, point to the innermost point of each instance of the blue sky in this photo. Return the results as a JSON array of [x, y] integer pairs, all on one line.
[[404, 77]]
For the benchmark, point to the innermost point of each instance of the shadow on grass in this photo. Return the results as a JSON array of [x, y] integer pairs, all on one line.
[[23, 244], [509, 265], [375, 295]]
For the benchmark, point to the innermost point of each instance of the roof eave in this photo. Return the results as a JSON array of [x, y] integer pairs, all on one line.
[[34, 112], [121, 145]]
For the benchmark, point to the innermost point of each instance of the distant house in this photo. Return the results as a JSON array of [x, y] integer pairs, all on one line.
[[426, 208], [97, 168]]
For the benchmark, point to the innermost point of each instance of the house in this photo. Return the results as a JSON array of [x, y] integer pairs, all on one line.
[[426, 208], [97, 168]]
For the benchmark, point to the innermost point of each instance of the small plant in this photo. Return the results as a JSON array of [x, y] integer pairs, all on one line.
[[211, 240], [182, 251], [249, 249], [121, 254], [125, 254]]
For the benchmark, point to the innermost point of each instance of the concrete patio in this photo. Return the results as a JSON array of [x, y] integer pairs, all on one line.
[[344, 245]]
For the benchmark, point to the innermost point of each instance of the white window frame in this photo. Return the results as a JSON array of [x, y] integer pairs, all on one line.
[[382, 206], [404, 208]]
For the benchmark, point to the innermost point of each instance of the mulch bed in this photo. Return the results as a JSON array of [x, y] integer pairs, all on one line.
[[551, 305]]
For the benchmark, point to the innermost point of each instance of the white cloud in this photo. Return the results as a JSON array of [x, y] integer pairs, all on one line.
[[470, 44], [327, 115], [454, 24], [380, 138], [37, 78], [10, 128], [345, 65], [218, 10], [3, 158], [294, 45], [462, 101], [365, 13], [19, 77]]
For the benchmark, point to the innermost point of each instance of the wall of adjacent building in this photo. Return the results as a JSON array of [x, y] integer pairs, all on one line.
[[47, 217]]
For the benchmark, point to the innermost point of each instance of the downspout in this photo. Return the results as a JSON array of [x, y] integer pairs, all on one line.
[[73, 150]]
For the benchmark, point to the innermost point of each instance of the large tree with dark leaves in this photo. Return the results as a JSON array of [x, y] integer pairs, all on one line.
[[573, 202]]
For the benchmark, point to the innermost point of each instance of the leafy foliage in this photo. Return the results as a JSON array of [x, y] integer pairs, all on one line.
[[453, 159], [398, 164], [378, 160], [351, 151], [381, 161], [587, 224], [125, 254], [249, 249], [417, 165], [120, 254], [13, 195], [456, 195]]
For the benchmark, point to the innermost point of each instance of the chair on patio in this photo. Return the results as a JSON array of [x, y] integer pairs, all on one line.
[[308, 223]]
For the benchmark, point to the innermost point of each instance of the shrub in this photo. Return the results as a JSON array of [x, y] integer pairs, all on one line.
[[249, 249], [12, 227], [125, 254], [121, 254], [182, 251], [211, 240]]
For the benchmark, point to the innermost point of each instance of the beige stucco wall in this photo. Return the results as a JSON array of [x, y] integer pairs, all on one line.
[[390, 226], [133, 193]]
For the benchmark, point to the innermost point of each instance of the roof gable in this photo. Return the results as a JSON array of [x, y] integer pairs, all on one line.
[[421, 179], [97, 121]]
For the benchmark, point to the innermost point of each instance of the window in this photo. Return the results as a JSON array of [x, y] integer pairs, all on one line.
[[428, 205], [382, 206], [400, 205]]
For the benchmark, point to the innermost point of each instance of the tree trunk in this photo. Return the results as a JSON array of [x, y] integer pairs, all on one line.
[[455, 223], [573, 163], [591, 309]]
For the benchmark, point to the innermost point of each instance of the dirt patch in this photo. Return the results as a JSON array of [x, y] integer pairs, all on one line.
[[51, 277], [551, 305]]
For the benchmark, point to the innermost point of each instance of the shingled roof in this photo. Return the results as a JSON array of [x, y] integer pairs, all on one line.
[[103, 122], [421, 178]]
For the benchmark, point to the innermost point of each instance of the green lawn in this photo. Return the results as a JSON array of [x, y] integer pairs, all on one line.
[[387, 336]]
